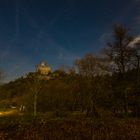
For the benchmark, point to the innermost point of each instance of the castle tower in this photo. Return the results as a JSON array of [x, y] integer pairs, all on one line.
[[43, 68]]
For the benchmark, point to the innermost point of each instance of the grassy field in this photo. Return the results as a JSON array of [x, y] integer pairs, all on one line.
[[41, 128]]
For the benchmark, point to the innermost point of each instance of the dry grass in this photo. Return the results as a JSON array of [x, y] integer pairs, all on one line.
[[68, 129]]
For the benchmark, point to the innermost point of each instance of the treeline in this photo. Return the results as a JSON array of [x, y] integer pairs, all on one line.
[[96, 85]]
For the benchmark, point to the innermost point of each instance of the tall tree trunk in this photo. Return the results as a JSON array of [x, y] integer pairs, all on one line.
[[126, 104], [35, 105]]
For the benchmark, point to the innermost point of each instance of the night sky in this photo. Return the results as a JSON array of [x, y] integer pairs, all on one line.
[[58, 31]]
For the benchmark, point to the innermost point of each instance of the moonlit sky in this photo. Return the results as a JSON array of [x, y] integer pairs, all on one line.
[[58, 31]]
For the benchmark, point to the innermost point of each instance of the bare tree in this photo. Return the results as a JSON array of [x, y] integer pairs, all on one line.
[[120, 54], [35, 84], [118, 51], [90, 68]]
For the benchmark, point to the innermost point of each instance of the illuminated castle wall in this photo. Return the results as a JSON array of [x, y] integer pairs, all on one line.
[[43, 68]]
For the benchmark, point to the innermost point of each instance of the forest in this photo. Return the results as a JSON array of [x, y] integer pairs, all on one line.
[[104, 87]]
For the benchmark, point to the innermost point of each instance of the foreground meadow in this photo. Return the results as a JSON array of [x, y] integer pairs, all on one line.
[[27, 128]]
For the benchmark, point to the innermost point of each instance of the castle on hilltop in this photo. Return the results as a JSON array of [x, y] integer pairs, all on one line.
[[43, 68]]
